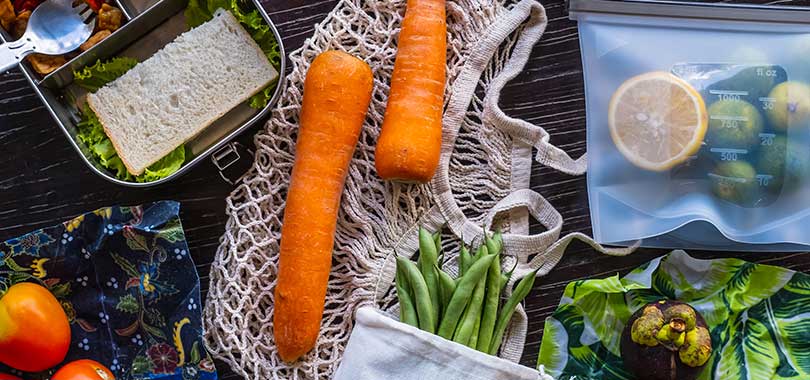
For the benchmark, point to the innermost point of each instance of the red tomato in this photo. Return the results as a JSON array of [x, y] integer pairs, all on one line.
[[95, 4], [84, 369], [25, 5], [34, 330], [5, 376]]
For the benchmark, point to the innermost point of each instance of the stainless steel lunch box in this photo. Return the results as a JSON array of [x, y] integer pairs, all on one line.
[[149, 25]]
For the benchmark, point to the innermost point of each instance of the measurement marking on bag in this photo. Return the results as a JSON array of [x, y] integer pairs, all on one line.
[[728, 154], [766, 139], [724, 178], [729, 121], [728, 94], [767, 102], [763, 72], [764, 179]]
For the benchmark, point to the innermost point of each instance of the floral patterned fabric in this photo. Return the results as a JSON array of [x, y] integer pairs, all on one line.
[[128, 286]]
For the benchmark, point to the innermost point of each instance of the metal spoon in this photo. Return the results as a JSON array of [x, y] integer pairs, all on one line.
[[55, 27]]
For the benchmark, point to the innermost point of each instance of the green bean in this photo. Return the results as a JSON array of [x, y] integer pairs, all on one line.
[[489, 315], [521, 291], [473, 343], [494, 243], [407, 310], [428, 261], [424, 310], [446, 286], [473, 314], [464, 260], [462, 295], [456, 336], [508, 276], [437, 241], [481, 252]]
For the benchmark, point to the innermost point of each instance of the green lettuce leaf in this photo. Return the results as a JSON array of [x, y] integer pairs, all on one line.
[[96, 76], [91, 133], [167, 165], [200, 11]]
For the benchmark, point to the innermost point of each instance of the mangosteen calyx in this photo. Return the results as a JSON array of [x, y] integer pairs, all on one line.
[[697, 347], [674, 327], [645, 328], [666, 340]]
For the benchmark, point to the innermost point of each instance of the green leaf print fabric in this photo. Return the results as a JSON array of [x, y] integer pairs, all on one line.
[[758, 315]]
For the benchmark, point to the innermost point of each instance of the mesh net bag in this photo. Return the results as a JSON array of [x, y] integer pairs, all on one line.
[[483, 180]]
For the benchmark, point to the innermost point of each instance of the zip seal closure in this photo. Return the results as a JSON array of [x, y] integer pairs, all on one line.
[[691, 10]]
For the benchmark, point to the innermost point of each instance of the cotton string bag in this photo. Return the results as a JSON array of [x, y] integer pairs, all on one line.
[[483, 180]]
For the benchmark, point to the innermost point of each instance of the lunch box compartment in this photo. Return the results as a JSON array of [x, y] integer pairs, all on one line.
[[134, 27], [60, 77], [150, 25]]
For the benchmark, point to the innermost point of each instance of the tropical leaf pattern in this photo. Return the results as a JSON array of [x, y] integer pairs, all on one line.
[[758, 315], [132, 306]]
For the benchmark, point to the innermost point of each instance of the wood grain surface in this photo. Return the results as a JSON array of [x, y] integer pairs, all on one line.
[[43, 181]]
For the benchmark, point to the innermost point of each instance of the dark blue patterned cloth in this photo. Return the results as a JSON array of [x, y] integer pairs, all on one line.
[[128, 285]]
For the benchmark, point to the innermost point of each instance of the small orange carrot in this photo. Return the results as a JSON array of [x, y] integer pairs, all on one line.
[[411, 138], [337, 92]]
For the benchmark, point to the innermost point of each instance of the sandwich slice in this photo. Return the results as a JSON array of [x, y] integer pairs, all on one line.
[[171, 97]]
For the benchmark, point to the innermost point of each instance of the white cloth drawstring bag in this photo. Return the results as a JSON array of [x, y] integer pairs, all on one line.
[[381, 348], [483, 179]]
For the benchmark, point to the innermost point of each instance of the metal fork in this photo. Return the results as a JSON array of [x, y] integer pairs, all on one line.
[[56, 27]]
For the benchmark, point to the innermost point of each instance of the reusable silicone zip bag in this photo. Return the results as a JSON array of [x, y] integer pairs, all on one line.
[[698, 123]]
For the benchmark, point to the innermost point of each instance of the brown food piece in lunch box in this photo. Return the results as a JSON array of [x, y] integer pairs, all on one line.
[[7, 15], [109, 18], [20, 24], [46, 64], [96, 38]]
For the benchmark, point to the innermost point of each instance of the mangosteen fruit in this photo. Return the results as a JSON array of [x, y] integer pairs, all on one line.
[[666, 340]]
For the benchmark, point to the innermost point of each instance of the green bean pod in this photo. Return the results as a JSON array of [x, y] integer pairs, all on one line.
[[462, 295], [447, 285], [504, 281], [407, 310], [473, 315], [494, 244], [464, 260], [505, 277], [428, 260], [489, 315], [437, 241], [456, 334], [473, 342], [421, 297], [521, 291], [481, 252]]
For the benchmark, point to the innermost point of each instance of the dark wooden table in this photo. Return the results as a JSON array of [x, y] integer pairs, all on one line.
[[43, 181]]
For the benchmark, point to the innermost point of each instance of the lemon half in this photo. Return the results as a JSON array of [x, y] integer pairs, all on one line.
[[657, 120]]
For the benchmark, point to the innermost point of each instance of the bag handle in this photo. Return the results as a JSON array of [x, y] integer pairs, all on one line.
[[462, 93], [531, 16]]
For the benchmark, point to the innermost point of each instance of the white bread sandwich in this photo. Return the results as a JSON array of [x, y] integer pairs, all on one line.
[[169, 98]]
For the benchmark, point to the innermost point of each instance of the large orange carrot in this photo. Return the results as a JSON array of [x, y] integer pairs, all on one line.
[[337, 91], [411, 137]]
